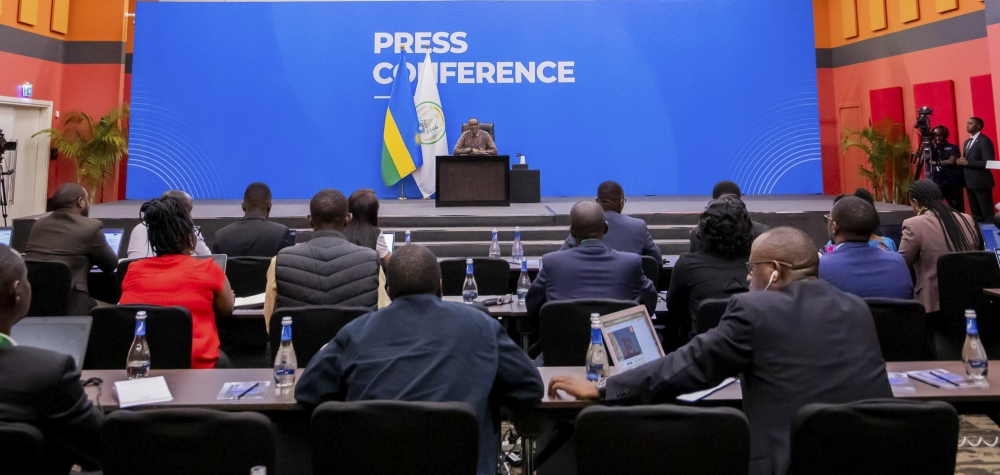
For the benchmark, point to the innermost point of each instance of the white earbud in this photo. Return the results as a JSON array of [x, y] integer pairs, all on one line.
[[771, 280], [773, 275]]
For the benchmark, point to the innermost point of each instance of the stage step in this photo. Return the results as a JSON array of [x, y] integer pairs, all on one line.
[[531, 248], [500, 220], [485, 234]]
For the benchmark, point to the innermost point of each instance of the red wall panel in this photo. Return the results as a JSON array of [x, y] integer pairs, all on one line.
[[939, 96], [887, 102], [982, 107]]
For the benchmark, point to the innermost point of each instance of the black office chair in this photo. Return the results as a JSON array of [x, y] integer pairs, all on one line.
[[22, 447], [122, 269], [312, 327], [487, 127], [901, 326], [492, 276], [564, 328], [394, 438], [962, 276], [168, 333], [51, 283], [188, 441], [709, 313], [247, 275], [651, 268], [877, 436], [654, 440]]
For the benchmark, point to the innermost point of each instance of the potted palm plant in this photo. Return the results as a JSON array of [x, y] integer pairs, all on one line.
[[96, 147], [887, 148]]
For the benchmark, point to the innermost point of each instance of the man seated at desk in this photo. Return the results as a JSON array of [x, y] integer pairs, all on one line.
[[474, 141]]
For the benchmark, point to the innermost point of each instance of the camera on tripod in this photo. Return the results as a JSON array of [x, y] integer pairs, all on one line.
[[5, 147], [923, 156], [924, 123]]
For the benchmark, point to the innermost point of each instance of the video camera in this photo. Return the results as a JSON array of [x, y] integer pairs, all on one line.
[[5, 145], [924, 122]]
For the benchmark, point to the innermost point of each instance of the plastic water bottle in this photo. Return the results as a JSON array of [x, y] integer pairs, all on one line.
[[973, 354], [523, 283], [407, 237], [137, 361], [494, 245], [285, 363], [518, 250], [469, 291], [597, 358]]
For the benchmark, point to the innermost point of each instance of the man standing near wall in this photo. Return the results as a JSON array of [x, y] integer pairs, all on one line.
[[977, 151]]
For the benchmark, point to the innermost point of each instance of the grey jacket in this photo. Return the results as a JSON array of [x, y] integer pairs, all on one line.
[[327, 270]]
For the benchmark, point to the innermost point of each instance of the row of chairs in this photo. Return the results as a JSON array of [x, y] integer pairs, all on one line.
[[394, 437]]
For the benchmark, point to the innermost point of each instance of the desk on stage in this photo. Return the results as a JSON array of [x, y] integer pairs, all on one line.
[[473, 180]]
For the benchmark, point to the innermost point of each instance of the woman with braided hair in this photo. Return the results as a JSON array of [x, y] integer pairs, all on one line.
[[936, 230], [173, 277]]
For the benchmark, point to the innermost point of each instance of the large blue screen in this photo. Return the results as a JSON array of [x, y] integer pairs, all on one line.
[[665, 97]]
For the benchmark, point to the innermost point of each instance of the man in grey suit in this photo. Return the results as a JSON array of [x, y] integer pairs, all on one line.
[[625, 233], [801, 342], [976, 151], [591, 269]]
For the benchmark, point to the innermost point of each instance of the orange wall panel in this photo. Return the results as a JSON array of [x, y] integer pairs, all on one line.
[[97, 20], [27, 12], [942, 6], [876, 15], [909, 10], [60, 16], [832, 21], [848, 18]]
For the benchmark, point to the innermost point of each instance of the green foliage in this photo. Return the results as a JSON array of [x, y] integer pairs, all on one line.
[[95, 147], [888, 150]]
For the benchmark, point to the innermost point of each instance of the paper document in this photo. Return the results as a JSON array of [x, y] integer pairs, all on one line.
[[901, 384], [992, 165], [945, 379], [244, 390], [249, 302], [136, 392], [699, 395]]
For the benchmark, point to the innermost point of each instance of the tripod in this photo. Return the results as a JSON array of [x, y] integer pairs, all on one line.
[[4, 173]]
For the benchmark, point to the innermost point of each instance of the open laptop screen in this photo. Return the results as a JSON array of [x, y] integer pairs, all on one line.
[[390, 239], [5, 234], [66, 335], [114, 238], [990, 235], [631, 339]]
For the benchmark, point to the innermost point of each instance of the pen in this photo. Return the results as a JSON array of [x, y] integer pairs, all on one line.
[[936, 375], [248, 390]]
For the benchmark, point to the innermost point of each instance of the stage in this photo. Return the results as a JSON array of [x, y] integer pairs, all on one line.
[[465, 232]]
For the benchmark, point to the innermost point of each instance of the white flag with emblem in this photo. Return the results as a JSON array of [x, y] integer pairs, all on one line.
[[433, 140]]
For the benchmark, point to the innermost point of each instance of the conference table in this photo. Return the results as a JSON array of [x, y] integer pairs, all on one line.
[[198, 388]]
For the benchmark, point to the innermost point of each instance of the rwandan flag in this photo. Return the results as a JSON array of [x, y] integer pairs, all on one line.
[[400, 149]]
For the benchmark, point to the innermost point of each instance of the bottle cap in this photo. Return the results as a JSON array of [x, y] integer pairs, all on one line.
[[286, 320], [140, 314], [970, 313], [468, 261]]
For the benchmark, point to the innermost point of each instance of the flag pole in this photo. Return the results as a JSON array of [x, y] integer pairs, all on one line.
[[402, 185]]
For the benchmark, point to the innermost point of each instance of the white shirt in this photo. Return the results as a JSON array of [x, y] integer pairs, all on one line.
[[138, 244], [972, 140]]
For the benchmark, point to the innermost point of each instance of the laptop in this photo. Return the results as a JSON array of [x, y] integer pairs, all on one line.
[[991, 236], [114, 238], [66, 335], [220, 259], [390, 239], [5, 234], [631, 338]]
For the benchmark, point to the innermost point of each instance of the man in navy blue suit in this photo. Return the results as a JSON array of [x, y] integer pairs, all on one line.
[[856, 267], [421, 348], [625, 233], [591, 269]]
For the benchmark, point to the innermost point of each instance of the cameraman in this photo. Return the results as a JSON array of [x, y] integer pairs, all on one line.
[[944, 172]]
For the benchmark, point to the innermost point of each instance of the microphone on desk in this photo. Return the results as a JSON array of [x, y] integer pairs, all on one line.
[[522, 157]]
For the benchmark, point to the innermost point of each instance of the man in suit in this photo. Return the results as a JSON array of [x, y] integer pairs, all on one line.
[[591, 269], [625, 233], [253, 235], [413, 349], [474, 141], [978, 149], [41, 387], [856, 267], [69, 236], [138, 241], [723, 188], [800, 342]]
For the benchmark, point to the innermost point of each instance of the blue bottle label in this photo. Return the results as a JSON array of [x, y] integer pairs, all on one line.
[[524, 266], [283, 371], [970, 326], [286, 333], [140, 328], [595, 336], [978, 364], [517, 235], [468, 269]]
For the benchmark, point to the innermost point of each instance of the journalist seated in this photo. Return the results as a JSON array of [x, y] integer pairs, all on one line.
[[253, 235], [421, 348]]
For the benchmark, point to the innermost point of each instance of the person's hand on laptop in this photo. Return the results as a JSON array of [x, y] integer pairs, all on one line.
[[575, 386]]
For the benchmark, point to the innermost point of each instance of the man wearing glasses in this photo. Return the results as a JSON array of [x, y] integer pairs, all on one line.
[[793, 340], [625, 233]]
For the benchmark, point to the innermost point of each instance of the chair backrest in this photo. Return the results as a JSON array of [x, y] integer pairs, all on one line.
[[564, 328], [248, 275], [901, 326], [962, 276], [652, 270], [312, 327], [709, 313], [492, 276], [394, 438], [168, 332], [655, 440], [487, 127], [51, 283], [123, 268], [189, 441], [875, 437], [22, 447]]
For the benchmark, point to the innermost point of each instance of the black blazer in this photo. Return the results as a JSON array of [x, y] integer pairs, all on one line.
[[78, 242], [977, 177], [805, 343], [42, 388], [699, 276], [252, 237]]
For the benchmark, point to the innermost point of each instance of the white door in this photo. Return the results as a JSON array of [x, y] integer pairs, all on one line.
[[26, 188]]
